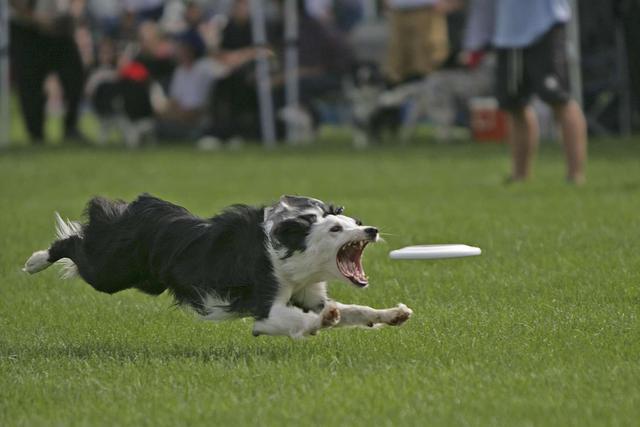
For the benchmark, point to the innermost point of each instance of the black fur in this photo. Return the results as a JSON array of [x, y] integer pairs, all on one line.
[[153, 245], [292, 234]]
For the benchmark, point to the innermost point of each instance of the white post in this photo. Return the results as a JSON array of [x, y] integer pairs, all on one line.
[[265, 99], [573, 49], [291, 64], [5, 96]]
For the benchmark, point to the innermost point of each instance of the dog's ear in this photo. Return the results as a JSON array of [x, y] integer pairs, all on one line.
[[334, 210], [286, 198], [291, 203], [291, 234]]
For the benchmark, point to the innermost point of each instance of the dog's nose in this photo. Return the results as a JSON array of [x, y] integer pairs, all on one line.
[[371, 231]]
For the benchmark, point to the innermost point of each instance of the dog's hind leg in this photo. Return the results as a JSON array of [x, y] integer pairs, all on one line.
[[360, 315]]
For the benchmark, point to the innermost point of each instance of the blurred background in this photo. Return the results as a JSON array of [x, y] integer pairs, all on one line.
[[224, 73]]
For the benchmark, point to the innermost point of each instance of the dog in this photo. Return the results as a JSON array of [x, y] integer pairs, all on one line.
[[271, 263]]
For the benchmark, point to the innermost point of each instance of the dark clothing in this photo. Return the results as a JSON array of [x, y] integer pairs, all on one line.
[[160, 69], [235, 101], [105, 100], [236, 35], [150, 14], [540, 69], [34, 55], [628, 12], [235, 108], [323, 48], [136, 100]]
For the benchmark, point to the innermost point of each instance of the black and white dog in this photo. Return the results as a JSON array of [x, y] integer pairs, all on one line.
[[271, 263]]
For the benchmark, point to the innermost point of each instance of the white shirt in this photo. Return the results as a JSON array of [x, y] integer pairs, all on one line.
[[190, 86], [512, 23]]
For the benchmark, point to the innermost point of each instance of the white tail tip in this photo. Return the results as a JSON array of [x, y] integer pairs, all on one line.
[[37, 262]]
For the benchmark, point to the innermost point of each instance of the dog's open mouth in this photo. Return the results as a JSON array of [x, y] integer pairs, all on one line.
[[349, 262]]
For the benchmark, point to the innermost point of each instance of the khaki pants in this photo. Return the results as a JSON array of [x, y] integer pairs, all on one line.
[[418, 43]]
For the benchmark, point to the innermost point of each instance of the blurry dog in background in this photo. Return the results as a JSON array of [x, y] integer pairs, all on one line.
[[271, 263]]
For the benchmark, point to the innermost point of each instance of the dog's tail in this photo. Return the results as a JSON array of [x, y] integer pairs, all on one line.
[[69, 236]]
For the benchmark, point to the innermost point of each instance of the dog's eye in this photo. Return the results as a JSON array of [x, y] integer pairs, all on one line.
[[358, 222], [336, 228]]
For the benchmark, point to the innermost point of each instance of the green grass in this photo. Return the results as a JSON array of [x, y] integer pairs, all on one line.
[[542, 329]]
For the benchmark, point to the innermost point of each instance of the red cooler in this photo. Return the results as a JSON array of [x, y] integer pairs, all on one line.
[[488, 122]]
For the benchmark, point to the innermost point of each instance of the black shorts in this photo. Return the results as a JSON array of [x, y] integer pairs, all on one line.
[[540, 69]]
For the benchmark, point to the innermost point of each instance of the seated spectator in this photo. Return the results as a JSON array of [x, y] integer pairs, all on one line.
[[120, 96], [324, 58], [155, 53], [183, 116], [102, 88]]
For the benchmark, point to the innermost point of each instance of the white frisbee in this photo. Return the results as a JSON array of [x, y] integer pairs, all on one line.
[[435, 252]]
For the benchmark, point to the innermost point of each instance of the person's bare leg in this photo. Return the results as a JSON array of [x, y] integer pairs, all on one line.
[[523, 137], [574, 137]]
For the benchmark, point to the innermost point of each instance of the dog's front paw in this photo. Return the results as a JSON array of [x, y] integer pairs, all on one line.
[[330, 316], [399, 315]]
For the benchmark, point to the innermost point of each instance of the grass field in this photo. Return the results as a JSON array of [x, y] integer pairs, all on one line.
[[542, 329]]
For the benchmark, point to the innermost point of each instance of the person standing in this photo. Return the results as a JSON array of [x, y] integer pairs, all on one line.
[[41, 43], [530, 39]]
